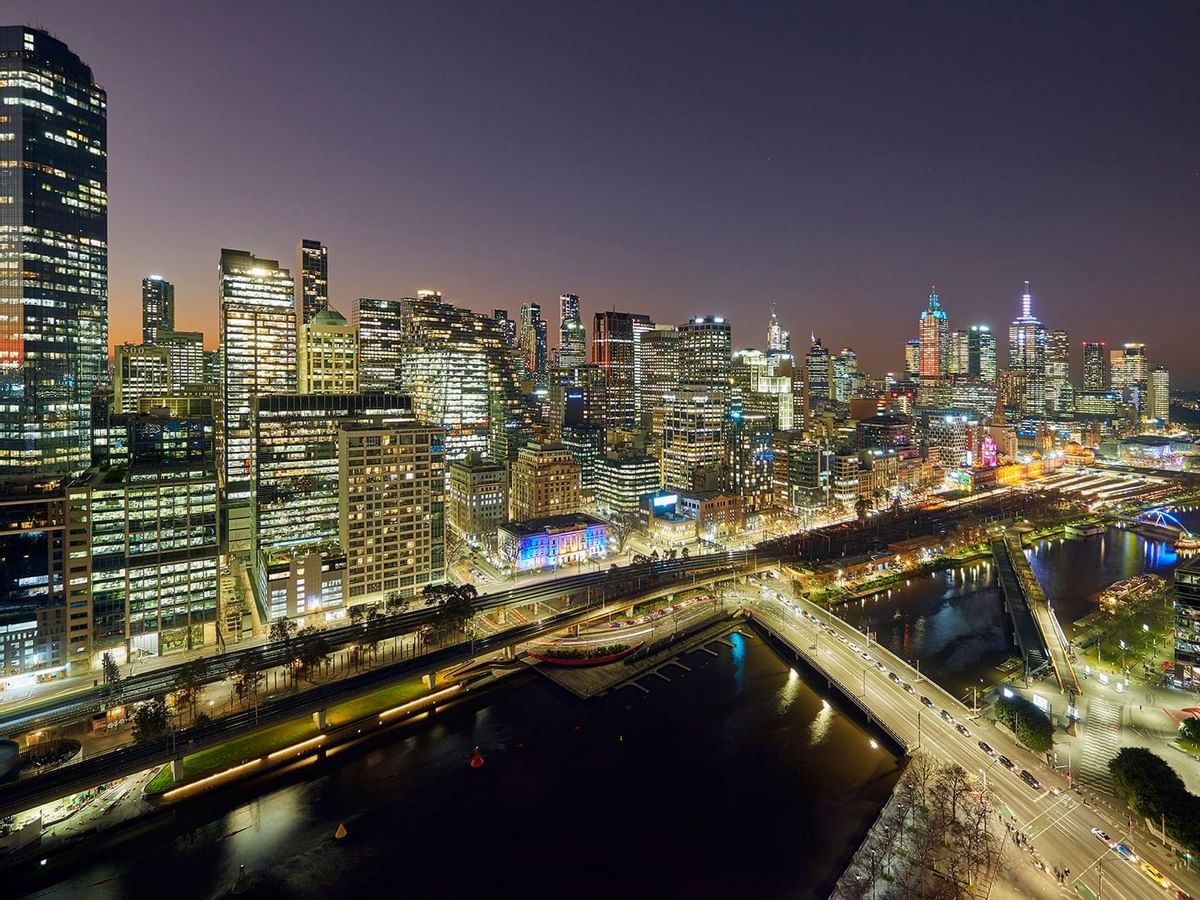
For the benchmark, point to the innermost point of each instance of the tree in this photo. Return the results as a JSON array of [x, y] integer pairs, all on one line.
[[247, 674], [1145, 782], [453, 613], [861, 506], [357, 613], [189, 683], [367, 640], [395, 603], [112, 673], [312, 649], [283, 630], [1031, 725], [1189, 730], [621, 526], [149, 720]]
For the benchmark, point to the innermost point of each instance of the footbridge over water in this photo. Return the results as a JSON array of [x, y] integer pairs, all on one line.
[[1038, 635]]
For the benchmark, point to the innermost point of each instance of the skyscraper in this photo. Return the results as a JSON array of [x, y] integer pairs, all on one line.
[[508, 328], [158, 307], [531, 341], [706, 354], [959, 357], [845, 376], [312, 279], [392, 529], [981, 352], [379, 337], [53, 251], [661, 363], [912, 359], [185, 356], [1058, 372], [778, 339], [1095, 366], [693, 451], [258, 346], [327, 354], [572, 343], [1027, 354], [933, 331], [458, 368], [820, 374], [613, 351], [1158, 395], [138, 370], [1129, 371]]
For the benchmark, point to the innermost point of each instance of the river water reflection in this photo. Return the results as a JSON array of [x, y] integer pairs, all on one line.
[[954, 621], [733, 779]]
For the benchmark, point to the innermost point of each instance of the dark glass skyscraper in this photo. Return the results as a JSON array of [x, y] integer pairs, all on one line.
[[158, 307], [53, 251], [312, 279]]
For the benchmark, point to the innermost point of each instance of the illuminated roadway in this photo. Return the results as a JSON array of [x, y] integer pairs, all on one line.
[[75, 707], [1059, 827]]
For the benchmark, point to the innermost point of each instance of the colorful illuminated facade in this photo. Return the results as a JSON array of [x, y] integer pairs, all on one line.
[[552, 542]]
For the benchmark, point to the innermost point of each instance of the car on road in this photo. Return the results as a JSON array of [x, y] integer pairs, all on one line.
[[855, 647], [1125, 851], [1154, 875], [1102, 835], [962, 729], [1029, 779], [892, 676], [1181, 894], [908, 687], [927, 701], [867, 656], [987, 748], [880, 666], [1008, 764], [946, 717]]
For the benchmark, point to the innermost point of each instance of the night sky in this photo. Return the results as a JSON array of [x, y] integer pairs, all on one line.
[[832, 158]]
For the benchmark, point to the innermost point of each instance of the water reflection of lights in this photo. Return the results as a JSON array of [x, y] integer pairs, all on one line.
[[818, 730]]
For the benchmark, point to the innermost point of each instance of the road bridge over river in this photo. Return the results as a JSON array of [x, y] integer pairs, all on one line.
[[1054, 818]]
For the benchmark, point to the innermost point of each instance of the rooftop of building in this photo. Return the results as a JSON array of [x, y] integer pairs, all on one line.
[[329, 316], [120, 473], [886, 420], [548, 524], [475, 461], [29, 487]]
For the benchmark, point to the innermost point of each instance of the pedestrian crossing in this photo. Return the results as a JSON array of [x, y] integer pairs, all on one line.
[[1101, 741]]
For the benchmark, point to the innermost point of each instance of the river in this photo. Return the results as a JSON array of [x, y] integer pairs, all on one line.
[[733, 779], [954, 620]]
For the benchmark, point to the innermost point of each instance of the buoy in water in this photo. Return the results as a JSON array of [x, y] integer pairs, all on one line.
[[242, 884], [476, 759], [341, 832]]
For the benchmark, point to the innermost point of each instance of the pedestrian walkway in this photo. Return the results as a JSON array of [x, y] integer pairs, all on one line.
[[1100, 741]]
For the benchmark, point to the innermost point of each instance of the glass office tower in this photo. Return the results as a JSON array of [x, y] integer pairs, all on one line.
[[53, 251]]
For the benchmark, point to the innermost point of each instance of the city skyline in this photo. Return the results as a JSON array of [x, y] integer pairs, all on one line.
[[972, 195]]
